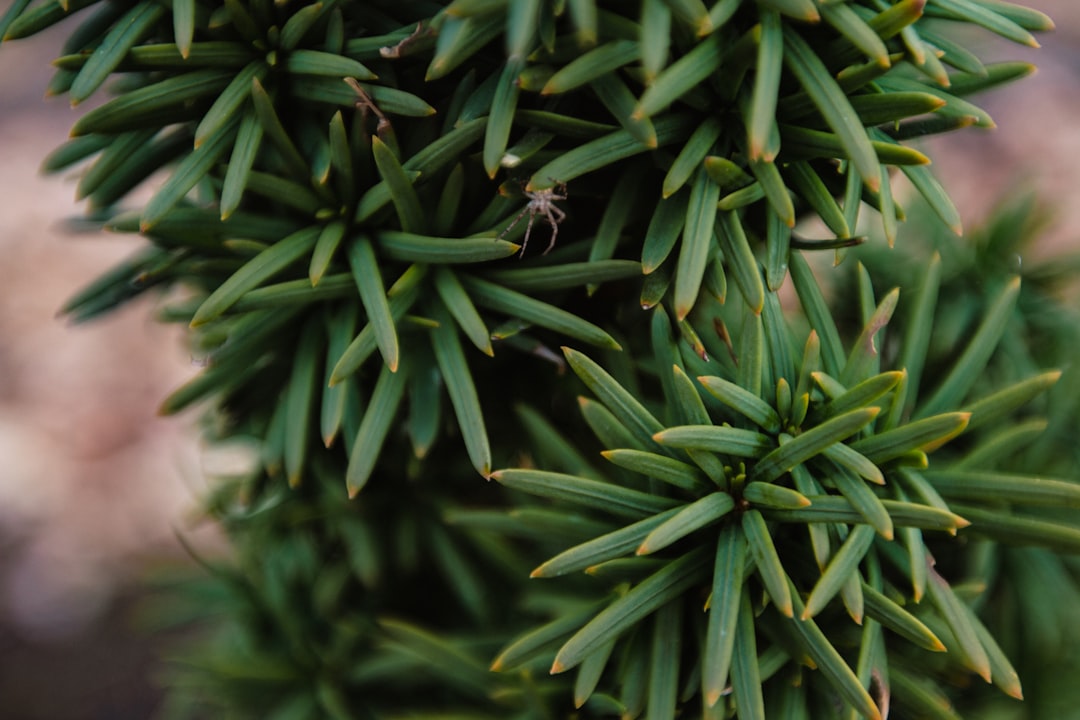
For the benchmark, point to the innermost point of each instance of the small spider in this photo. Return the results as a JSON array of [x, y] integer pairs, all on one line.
[[541, 202]]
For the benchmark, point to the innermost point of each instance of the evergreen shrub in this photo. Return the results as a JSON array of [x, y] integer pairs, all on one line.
[[720, 488]]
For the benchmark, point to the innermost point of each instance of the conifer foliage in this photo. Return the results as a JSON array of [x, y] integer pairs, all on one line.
[[541, 242]]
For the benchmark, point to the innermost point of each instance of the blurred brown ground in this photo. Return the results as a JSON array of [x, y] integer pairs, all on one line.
[[93, 484]]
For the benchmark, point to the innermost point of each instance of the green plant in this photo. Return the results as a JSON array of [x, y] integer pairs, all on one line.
[[838, 488]]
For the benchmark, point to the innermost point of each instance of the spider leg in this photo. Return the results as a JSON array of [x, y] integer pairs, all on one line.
[[528, 230], [515, 222], [559, 214], [559, 187], [554, 225]]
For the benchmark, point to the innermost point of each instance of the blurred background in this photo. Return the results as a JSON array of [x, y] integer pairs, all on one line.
[[94, 486]]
